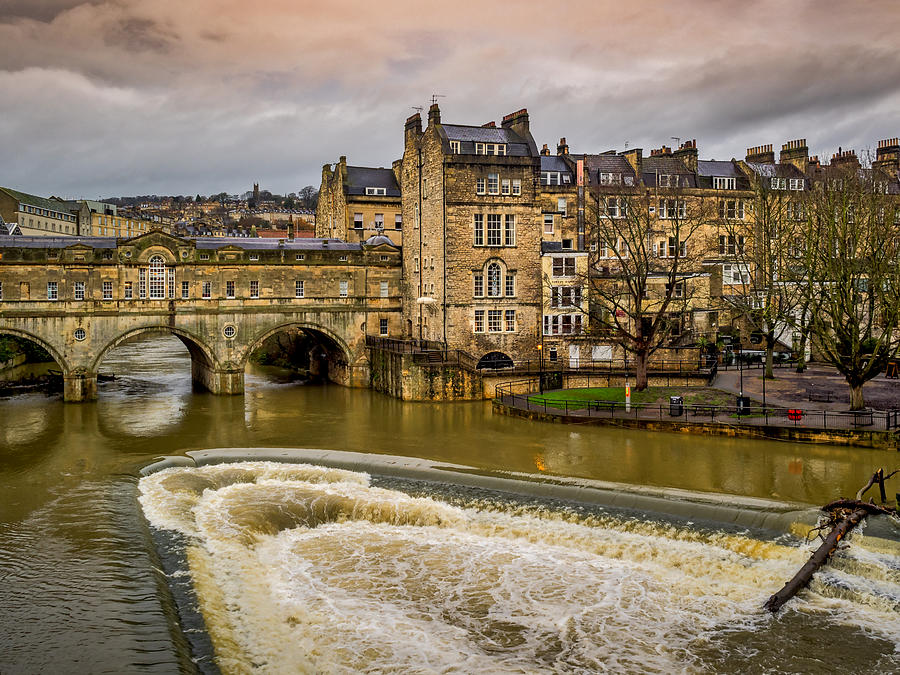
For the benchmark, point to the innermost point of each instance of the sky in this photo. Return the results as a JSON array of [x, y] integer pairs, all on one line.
[[132, 97]]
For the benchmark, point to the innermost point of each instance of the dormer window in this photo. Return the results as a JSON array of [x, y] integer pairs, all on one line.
[[551, 178], [779, 183], [490, 149], [723, 183], [668, 180], [607, 178], [454, 147], [796, 183], [377, 191]]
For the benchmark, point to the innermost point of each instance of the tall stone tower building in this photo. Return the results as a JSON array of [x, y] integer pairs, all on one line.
[[471, 235]]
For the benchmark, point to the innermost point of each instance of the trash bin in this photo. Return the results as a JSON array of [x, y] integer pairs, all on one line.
[[743, 405], [676, 406]]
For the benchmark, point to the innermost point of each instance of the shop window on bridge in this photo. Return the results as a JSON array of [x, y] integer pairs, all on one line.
[[157, 278], [382, 327], [79, 290], [129, 290], [107, 290]]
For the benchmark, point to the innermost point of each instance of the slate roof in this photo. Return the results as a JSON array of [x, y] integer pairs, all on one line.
[[516, 146], [666, 164], [55, 242], [607, 162], [721, 169], [554, 163], [361, 177], [202, 243], [39, 202]]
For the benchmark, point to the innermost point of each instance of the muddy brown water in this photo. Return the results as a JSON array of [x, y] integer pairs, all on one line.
[[78, 586]]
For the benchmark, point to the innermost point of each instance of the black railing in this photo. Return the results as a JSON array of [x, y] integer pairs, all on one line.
[[523, 394], [411, 346]]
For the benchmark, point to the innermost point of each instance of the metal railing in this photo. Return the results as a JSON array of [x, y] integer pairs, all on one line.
[[524, 395], [411, 346]]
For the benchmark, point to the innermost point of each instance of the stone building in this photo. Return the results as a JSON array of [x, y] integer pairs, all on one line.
[[471, 253], [37, 216], [357, 202]]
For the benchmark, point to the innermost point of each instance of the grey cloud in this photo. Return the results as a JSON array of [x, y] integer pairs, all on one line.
[[138, 34], [39, 10]]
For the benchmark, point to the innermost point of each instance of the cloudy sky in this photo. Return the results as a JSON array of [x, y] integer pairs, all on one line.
[[121, 97]]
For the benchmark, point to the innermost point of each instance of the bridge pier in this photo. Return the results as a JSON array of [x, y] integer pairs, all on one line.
[[79, 385], [222, 381]]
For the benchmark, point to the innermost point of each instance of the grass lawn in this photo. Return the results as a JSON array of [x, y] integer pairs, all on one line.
[[579, 398]]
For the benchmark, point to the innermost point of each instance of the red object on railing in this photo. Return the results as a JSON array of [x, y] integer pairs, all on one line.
[[795, 414]]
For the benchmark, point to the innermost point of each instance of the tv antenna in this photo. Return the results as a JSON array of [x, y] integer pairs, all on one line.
[[418, 108], [677, 140], [435, 97]]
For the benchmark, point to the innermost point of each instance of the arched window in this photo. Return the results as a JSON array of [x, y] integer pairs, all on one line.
[[495, 360], [157, 277], [493, 280]]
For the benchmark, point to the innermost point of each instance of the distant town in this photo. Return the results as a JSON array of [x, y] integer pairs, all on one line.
[[255, 213]]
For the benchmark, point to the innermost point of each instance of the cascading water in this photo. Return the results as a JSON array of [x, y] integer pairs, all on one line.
[[302, 568]]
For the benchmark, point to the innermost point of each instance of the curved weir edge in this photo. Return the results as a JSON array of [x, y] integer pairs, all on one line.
[[725, 509]]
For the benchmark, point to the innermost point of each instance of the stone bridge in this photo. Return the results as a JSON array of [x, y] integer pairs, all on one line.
[[79, 297]]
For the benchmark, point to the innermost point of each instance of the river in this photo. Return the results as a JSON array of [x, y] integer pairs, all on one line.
[[80, 590]]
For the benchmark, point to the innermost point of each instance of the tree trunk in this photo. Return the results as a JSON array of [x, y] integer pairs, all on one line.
[[857, 401], [768, 373], [640, 365]]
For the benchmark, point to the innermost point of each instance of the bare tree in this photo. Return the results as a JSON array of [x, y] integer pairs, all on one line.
[[848, 274], [646, 267], [757, 237]]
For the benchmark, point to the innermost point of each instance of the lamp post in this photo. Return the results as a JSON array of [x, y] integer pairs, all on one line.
[[540, 349]]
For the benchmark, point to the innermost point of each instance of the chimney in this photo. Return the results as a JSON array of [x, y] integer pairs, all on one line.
[[413, 128], [562, 147], [517, 122], [545, 150], [845, 158], [434, 114], [635, 157], [887, 156], [814, 162], [489, 125], [290, 228], [664, 150], [687, 153], [761, 154], [796, 153]]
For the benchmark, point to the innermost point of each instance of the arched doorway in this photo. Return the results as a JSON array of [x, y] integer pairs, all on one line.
[[494, 361]]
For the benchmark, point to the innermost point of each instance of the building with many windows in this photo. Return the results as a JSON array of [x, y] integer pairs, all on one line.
[[38, 216]]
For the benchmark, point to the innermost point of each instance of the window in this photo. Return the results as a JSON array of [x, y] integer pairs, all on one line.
[[494, 320], [779, 183], [157, 275], [383, 289], [107, 290], [480, 186], [343, 258], [79, 290], [206, 290], [382, 326], [171, 284], [129, 290], [722, 183], [254, 257], [679, 289], [254, 289], [516, 187], [735, 274], [1, 290], [204, 256], [478, 285], [493, 229], [424, 188], [666, 248], [142, 283], [561, 205], [548, 223], [52, 290], [732, 209], [454, 147], [509, 231], [357, 221], [510, 284], [298, 288], [670, 209], [344, 288], [564, 267], [80, 334], [416, 218], [398, 221], [511, 320], [610, 178], [379, 221], [479, 229], [796, 183], [567, 244], [490, 149], [479, 320], [185, 290], [493, 280], [300, 256], [229, 289], [505, 186], [668, 180], [493, 183], [565, 296], [416, 264], [562, 324], [551, 178], [616, 207], [730, 244], [378, 191]]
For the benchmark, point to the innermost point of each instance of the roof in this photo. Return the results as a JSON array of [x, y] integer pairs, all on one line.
[[516, 146], [554, 163], [607, 162], [361, 177], [721, 169], [770, 170], [56, 242], [666, 165], [203, 243], [40, 202], [380, 239]]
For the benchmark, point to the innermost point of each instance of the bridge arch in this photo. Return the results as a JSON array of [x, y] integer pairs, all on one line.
[[53, 351], [340, 356]]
